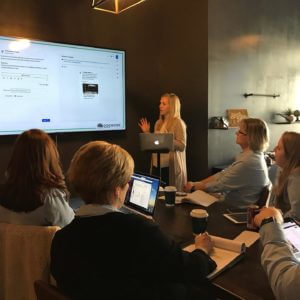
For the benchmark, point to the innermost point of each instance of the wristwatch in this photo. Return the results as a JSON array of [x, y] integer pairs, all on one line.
[[268, 220]]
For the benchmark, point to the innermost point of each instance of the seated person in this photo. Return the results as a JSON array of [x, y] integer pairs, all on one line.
[[278, 261], [34, 191], [243, 181], [285, 194], [104, 253]]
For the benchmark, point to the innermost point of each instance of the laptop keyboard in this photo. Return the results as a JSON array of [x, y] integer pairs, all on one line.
[[126, 210]]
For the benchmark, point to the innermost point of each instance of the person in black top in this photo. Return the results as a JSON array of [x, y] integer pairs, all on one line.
[[106, 254]]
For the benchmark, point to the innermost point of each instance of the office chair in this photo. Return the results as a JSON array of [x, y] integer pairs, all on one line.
[[47, 291], [24, 258]]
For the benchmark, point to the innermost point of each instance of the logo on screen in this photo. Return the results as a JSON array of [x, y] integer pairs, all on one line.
[[100, 125]]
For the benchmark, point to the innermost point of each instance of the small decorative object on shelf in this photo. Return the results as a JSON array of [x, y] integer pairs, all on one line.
[[286, 118], [297, 114], [218, 123], [235, 116]]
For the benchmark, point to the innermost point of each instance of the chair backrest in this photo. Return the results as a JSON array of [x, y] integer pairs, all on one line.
[[47, 291], [24, 258], [264, 195]]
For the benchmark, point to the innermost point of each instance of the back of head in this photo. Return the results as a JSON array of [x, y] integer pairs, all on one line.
[[257, 132], [291, 145], [33, 168], [97, 168]]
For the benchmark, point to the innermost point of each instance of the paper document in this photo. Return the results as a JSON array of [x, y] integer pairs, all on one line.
[[198, 197], [225, 253], [247, 237]]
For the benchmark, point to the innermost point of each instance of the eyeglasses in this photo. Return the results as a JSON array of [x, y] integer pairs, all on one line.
[[242, 133]]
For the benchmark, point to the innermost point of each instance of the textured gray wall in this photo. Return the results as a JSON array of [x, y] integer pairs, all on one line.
[[254, 47]]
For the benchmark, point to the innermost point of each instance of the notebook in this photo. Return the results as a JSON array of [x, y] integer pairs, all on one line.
[[156, 141], [292, 234], [141, 196]]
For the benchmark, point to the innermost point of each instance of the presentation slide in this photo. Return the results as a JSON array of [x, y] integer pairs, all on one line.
[[60, 87]]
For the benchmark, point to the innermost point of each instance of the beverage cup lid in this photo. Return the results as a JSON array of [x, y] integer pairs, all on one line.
[[170, 188], [199, 213]]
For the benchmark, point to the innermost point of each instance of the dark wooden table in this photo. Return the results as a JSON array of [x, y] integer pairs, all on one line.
[[246, 279]]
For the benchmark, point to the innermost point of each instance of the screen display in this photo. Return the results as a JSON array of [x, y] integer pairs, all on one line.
[[60, 87], [142, 192]]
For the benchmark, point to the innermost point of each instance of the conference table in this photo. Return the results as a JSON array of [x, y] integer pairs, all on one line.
[[244, 280]]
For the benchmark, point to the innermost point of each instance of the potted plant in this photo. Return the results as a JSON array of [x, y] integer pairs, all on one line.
[[288, 116], [297, 114]]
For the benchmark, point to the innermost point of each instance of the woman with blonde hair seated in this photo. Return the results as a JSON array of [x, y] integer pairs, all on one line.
[[34, 191], [104, 253], [243, 181], [286, 193]]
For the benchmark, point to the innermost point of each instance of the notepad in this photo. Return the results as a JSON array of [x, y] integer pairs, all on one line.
[[247, 237], [225, 253], [197, 197]]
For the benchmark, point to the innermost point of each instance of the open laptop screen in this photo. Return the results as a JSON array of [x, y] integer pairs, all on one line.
[[142, 193]]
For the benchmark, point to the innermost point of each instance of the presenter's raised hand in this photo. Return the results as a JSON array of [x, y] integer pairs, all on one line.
[[144, 125], [203, 242]]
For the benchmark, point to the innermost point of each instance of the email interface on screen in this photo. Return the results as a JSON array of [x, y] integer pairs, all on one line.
[[142, 192], [60, 87]]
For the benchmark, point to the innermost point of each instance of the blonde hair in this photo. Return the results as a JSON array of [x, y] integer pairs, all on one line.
[[291, 146], [175, 107], [257, 132], [97, 168]]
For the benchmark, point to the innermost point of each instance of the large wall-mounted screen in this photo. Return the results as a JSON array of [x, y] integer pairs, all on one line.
[[60, 87]]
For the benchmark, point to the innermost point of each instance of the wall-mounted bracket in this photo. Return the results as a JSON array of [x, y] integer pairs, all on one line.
[[260, 95]]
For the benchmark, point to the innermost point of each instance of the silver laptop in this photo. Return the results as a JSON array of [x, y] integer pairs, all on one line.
[[156, 141], [141, 196]]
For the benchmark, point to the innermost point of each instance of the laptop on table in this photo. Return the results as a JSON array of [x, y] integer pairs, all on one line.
[[156, 142], [141, 196]]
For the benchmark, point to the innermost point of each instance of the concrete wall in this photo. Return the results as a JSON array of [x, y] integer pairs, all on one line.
[[254, 47]]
